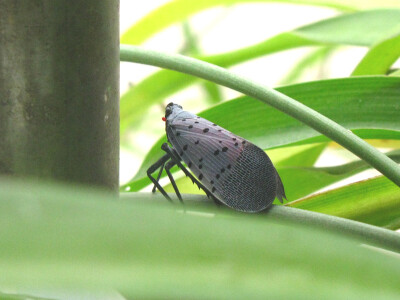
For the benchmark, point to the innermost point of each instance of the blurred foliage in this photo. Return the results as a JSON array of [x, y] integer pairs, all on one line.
[[54, 237]]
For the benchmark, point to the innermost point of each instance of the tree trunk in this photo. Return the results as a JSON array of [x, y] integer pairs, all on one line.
[[59, 90]]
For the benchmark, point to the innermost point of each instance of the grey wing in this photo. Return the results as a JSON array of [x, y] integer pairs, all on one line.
[[235, 171], [208, 150]]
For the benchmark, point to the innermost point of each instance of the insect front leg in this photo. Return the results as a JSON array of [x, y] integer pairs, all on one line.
[[158, 177], [168, 166], [159, 164], [175, 158]]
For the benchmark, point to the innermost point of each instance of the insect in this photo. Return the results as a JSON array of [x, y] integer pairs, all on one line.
[[230, 169]]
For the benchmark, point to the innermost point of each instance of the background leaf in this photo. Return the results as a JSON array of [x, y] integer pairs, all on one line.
[[379, 58], [179, 10], [373, 201], [305, 158]]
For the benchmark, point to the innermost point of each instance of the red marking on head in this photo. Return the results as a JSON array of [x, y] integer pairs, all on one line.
[[163, 118]]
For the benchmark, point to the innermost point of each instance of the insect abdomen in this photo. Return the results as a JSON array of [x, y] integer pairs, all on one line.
[[251, 185]]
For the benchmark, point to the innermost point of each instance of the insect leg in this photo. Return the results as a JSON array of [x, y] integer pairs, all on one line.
[[158, 178], [168, 166], [155, 166], [176, 159]]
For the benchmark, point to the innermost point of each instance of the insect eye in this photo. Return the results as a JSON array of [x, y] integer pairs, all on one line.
[[168, 111]]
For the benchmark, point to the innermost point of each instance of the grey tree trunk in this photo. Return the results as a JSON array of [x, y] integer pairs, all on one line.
[[59, 90]]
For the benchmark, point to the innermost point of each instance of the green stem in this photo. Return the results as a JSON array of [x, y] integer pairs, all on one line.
[[270, 96], [365, 233]]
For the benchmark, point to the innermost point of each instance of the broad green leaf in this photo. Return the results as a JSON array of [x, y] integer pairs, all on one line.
[[373, 201], [155, 88], [366, 105], [379, 58], [54, 236], [300, 181], [304, 156], [363, 28], [179, 10]]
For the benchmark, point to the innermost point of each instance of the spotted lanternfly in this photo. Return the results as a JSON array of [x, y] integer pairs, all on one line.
[[228, 168]]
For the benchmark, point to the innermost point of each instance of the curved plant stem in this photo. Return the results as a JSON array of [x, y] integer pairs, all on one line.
[[365, 233], [270, 96]]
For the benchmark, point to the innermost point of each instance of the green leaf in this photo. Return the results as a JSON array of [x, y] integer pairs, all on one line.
[[155, 88], [373, 201], [363, 28], [379, 58], [301, 181], [57, 236], [304, 156], [179, 10], [366, 105]]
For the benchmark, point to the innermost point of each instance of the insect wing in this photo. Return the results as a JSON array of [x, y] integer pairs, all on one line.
[[235, 171]]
